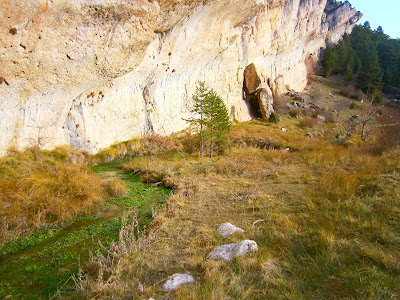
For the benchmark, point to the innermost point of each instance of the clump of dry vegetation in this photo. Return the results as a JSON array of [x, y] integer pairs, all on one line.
[[43, 188], [116, 188], [150, 145], [309, 122]]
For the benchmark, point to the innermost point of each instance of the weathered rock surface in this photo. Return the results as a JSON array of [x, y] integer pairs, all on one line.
[[229, 251], [265, 102], [175, 281], [92, 73], [251, 79], [227, 229]]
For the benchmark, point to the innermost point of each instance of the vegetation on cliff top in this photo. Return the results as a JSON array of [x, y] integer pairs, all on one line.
[[368, 57]]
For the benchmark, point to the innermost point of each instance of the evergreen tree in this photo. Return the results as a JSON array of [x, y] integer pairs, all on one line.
[[199, 108], [328, 62], [213, 120], [370, 78], [370, 58], [218, 122]]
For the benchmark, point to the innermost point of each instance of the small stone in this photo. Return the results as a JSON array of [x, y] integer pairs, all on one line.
[[227, 229], [74, 159], [176, 280], [229, 251], [309, 134], [284, 129], [286, 150]]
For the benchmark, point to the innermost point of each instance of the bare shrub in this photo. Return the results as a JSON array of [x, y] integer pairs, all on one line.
[[388, 135], [280, 105], [309, 122], [296, 112], [350, 91]]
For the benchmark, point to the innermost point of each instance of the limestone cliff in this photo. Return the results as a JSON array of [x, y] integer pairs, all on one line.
[[91, 73]]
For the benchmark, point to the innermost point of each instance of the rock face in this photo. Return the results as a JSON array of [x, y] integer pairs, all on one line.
[[175, 281], [229, 251], [91, 73]]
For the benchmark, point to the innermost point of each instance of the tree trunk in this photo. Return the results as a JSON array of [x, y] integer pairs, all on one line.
[[363, 132], [201, 137], [211, 143]]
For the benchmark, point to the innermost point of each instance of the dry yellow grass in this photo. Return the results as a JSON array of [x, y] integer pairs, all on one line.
[[327, 212], [41, 188], [116, 188]]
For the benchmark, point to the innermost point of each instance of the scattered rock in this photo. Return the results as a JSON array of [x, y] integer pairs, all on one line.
[[290, 106], [286, 150], [229, 251], [321, 118], [284, 129], [309, 134], [332, 95], [74, 159], [227, 229], [176, 280], [298, 96]]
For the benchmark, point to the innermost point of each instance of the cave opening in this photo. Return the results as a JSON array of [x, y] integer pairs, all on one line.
[[253, 105]]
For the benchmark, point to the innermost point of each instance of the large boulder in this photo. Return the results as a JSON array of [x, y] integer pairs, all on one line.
[[251, 79], [265, 103]]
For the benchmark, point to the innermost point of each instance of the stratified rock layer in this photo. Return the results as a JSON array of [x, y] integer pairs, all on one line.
[[91, 73]]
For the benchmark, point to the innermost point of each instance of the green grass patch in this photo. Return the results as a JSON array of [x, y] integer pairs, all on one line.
[[37, 265]]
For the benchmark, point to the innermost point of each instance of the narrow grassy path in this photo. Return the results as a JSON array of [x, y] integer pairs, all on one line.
[[41, 265]]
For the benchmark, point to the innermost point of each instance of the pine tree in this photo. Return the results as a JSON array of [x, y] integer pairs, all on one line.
[[370, 78], [218, 122], [200, 108], [213, 120], [328, 62]]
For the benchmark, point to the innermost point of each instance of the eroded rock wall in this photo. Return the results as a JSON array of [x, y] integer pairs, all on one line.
[[91, 73]]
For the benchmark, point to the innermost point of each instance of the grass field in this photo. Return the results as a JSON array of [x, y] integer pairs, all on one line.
[[328, 221]]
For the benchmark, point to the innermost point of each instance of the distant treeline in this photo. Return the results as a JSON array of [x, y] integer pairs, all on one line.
[[370, 58]]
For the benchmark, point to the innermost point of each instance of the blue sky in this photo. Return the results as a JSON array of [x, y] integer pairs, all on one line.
[[383, 13]]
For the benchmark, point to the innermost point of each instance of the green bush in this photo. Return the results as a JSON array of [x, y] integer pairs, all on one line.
[[353, 105], [378, 100], [274, 118]]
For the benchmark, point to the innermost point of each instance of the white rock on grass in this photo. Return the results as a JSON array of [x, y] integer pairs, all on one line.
[[229, 251], [227, 229], [176, 280]]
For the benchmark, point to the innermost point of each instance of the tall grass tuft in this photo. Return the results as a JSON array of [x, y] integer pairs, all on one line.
[[43, 188]]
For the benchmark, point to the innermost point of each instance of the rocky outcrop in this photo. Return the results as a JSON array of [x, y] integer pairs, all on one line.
[[92, 73]]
